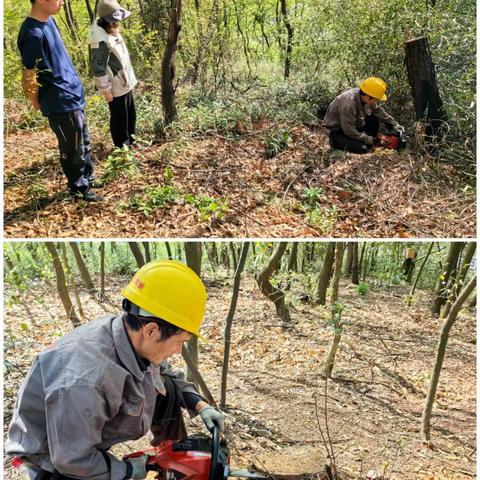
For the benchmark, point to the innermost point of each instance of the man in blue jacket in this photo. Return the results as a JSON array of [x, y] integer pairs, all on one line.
[[53, 86]]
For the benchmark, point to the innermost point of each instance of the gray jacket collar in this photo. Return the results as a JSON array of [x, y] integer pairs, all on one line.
[[124, 349]]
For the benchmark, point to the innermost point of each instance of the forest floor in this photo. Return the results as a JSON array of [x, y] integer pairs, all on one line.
[[375, 397], [225, 186]]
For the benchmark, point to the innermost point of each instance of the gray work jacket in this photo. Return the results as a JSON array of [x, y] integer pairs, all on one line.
[[83, 395], [347, 113]]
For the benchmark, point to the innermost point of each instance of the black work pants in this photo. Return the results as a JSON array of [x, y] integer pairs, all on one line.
[[123, 118], [340, 141], [73, 137]]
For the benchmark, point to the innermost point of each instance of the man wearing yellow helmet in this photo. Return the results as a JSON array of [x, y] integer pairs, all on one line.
[[354, 117], [108, 382]]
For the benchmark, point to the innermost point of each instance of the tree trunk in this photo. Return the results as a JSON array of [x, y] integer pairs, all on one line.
[[289, 28], [102, 269], [441, 348], [440, 294], [414, 286], [91, 13], [273, 293], [169, 251], [231, 247], [335, 311], [292, 260], [429, 106], [146, 247], [84, 273], [137, 254], [168, 63], [355, 274], [325, 274], [198, 379], [71, 280], [62, 285], [460, 278], [193, 254], [349, 259], [229, 322]]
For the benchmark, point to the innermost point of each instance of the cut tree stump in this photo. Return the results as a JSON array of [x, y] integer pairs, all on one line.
[[304, 462]]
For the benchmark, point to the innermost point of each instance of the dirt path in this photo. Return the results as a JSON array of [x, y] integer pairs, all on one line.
[[375, 399], [383, 194]]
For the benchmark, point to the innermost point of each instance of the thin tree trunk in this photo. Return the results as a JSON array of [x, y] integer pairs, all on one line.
[[460, 278], [292, 260], [168, 63], [198, 379], [62, 285], [102, 269], [71, 280], [193, 255], [273, 293], [336, 316], [441, 348], [414, 286], [289, 28], [355, 275], [231, 247], [91, 13], [84, 273], [348, 260], [439, 296], [169, 251], [325, 274], [229, 322], [137, 254], [146, 247]]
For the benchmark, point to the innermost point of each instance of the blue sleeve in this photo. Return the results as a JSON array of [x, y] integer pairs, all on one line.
[[191, 399], [32, 52]]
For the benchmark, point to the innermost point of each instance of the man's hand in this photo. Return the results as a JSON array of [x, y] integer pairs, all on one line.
[[139, 467], [30, 86], [400, 129], [108, 96], [368, 140], [212, 417]]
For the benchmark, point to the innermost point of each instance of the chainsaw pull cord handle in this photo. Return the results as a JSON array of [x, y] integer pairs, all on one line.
[[215, 449]]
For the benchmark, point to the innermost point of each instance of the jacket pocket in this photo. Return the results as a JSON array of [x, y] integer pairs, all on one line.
[[132, 406]]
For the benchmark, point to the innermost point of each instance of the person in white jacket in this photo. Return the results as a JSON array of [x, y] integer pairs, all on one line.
[[112, 70]]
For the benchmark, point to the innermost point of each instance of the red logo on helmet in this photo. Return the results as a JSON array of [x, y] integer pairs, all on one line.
[[138, 283]]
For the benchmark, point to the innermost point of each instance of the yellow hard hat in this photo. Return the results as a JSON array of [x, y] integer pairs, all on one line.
[[375, 87], [170, 291]]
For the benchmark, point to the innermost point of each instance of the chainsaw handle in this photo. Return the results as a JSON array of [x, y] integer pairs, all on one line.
[[215, 449]]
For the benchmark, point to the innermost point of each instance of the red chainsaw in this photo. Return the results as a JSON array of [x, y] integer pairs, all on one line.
[[197, 457], [392, 139]]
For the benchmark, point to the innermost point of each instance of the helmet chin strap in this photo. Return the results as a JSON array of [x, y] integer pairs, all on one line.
[[135, 310]]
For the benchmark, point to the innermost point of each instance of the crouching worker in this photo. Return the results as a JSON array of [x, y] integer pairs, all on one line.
[[354, 117], [108, 382]]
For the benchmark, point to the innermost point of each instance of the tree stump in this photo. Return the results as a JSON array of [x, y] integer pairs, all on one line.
[[422, 78]]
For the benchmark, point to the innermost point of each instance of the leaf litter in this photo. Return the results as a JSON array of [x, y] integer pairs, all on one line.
[[384, 194]]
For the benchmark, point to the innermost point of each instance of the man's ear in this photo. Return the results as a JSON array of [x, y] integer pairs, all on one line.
[[150, 329]]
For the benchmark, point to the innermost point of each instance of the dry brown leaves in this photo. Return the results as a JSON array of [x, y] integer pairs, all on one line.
[[385, 194]]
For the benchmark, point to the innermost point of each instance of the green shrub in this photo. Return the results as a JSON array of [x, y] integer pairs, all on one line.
[[363, 288], [277, 141]]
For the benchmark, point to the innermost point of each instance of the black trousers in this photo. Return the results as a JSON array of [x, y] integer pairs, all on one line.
[[123, 118], [73, 137], [340, 141]]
